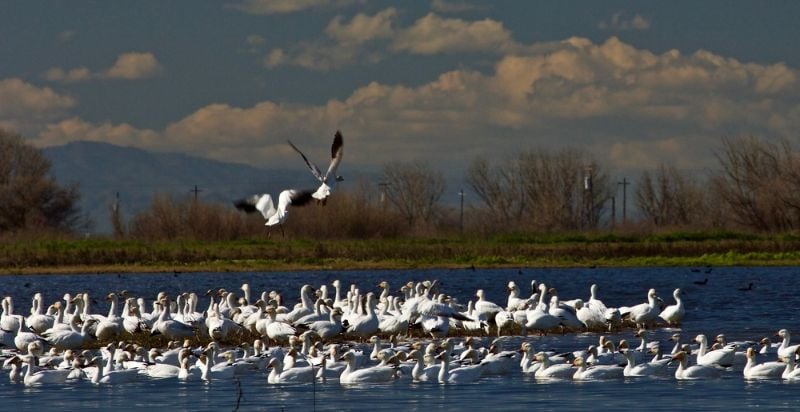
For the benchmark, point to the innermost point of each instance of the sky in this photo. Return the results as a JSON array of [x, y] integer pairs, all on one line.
[[633, 83]]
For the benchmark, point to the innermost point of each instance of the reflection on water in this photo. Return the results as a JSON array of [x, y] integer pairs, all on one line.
[[717, 307]]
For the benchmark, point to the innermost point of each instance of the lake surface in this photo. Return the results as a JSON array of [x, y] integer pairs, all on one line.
[[717, 307]]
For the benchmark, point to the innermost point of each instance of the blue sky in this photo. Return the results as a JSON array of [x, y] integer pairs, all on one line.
[[634, 83]]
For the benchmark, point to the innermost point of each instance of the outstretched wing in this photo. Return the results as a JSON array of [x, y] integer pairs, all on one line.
[[314, 169], [337, 149], [293, 197], [261, 203]]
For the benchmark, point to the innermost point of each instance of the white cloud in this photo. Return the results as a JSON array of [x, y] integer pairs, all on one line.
[[627, 106], [269, 7], [344, 45], [23, 106], [618, 23], [134, 65], [364, 39], [362, 28], [128, 66], [432, 35]]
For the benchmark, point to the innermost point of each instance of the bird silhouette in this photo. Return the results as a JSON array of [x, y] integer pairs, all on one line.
[[701, 282], [749, 287]]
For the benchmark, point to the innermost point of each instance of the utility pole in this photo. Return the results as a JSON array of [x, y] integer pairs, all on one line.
[[624, 184], [461, 215], [196, 190]]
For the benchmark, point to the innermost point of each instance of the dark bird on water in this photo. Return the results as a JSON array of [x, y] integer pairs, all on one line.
[[701, 282], [749, 287]]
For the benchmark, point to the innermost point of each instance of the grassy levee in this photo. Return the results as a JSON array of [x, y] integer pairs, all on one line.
[[67, 255]]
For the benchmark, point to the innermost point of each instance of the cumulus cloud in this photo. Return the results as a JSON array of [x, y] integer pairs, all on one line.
[[364, 38], [619, 23], [24, 105], [344, 43], [630, 107], [432, 34], [128, 66], [268, 7], [134, 65]]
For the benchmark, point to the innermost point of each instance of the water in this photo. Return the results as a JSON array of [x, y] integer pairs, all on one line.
[[718, 307]]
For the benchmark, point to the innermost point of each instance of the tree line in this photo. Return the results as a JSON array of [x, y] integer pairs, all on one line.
[[754, 188]]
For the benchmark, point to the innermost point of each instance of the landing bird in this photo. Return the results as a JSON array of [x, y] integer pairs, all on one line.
[[263, 203], [330, 178]]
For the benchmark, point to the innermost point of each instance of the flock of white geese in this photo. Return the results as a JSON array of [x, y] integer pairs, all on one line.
[[343, 335]]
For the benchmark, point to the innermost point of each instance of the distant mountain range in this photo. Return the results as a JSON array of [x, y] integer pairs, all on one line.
[[102, 170]]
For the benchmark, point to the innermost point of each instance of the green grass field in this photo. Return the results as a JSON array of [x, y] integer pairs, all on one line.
[[676, 249]]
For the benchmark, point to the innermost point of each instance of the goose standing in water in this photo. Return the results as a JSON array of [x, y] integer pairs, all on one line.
[[643, 314], [673, 314]]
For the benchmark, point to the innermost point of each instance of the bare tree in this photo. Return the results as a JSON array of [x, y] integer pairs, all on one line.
[[29, 197], [500, 190], [543, 190], [667, 197], [758, 183], [414, 189]]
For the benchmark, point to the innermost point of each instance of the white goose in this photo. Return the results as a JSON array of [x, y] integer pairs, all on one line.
[[786, 349], [596, 372], [723, 357], [673, 314], [685, 372], [464, 374], [329, 179], [644, 369], [294, 375], [420, 372], [366, 325], [365, 375], [538, 317], [74, 338], [549, 370], [43, 376], [766, 370], [644, 314], [274, 216]]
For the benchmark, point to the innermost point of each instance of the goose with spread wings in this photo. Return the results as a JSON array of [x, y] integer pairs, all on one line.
[[330, 177], [263, 203]]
